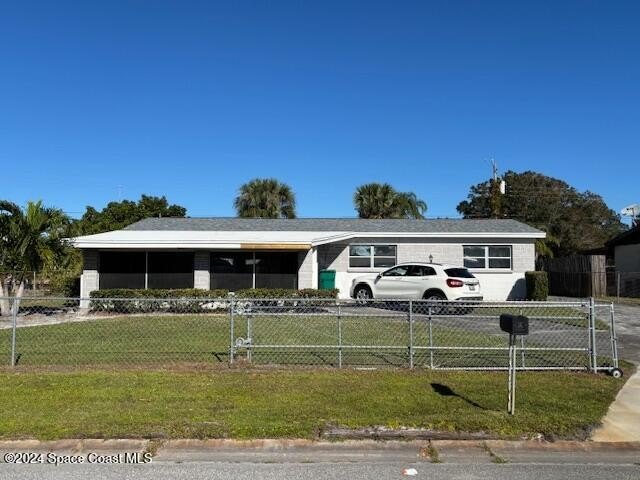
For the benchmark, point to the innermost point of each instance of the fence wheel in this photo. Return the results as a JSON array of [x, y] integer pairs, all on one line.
[[616, 373]]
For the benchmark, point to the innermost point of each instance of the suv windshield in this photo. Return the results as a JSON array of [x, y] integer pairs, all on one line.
[[459, 273]]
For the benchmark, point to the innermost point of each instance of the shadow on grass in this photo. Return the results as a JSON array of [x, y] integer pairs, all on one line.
[[445, 391]]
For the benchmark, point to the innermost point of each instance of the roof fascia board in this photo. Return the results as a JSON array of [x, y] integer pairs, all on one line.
[[327, 240], [87, 242]]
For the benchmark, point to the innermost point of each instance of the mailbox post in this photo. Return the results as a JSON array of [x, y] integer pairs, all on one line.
[[514, 325]]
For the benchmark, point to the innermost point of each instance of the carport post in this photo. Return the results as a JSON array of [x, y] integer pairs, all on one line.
[[410, 334], [14, 320], [592, 336]]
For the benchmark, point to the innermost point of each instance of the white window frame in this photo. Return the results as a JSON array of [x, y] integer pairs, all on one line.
[[371, 257], [486, 257]]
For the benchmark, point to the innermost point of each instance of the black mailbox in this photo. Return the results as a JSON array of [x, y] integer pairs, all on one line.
[[514, 324]]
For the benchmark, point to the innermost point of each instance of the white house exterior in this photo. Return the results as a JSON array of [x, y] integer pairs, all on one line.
[[234, 253]]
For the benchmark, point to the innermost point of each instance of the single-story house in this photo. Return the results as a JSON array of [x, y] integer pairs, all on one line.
[[237, 253]]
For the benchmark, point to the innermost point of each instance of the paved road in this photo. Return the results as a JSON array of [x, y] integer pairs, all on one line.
[[328, 471], [287, 459]]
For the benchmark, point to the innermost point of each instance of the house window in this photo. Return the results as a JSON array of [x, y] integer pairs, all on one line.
[[372, 256], [487, 256]]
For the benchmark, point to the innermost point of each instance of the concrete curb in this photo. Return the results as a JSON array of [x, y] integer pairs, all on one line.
[[267, 444], [298, 451]]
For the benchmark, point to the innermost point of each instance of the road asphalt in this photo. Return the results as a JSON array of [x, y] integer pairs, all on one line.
[[286, 459], [324, 471]]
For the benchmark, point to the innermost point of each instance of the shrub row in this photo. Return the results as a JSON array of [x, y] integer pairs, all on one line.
[[199, 301], [285, 293], [218, 293], [158, 293]]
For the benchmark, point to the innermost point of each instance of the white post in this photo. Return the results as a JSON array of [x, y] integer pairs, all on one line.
[[146, 270]]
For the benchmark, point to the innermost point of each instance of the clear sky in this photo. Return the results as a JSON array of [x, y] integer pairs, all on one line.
[[107, 100]]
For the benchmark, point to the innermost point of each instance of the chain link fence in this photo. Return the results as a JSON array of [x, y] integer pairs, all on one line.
[[72, 332]]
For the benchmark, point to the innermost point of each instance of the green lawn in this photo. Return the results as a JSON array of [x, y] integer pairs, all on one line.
[[205, 339], [240, 403]]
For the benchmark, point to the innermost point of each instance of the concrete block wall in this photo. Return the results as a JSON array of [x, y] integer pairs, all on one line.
[[90, 278], [496, 285], [308, 269]]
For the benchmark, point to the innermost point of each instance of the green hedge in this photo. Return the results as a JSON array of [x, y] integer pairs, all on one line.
[[201, 301], [285, 293], [537, 285], [219, 293], [158, 293]]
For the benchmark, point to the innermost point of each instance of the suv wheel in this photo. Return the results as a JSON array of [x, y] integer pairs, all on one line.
[[362, 294], [435, 309]]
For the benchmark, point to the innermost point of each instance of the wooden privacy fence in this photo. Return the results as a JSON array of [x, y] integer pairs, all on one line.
[[577, 275]]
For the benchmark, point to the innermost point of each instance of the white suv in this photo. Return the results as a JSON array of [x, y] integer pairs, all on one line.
[[416, 280]]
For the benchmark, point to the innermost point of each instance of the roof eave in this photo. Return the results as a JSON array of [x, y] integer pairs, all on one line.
[[89, 243]]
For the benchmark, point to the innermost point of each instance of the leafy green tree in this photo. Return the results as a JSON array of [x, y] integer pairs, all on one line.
[[29, 241], [381, 200], [265, 198], [573, 220], [117, 215]]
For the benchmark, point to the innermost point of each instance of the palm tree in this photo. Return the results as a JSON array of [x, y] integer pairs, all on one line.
[[381, 200], [375, 200], [410, 206], [265, 198], [28, 241]]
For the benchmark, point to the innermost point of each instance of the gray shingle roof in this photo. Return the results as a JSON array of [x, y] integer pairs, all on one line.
[[334, 225]]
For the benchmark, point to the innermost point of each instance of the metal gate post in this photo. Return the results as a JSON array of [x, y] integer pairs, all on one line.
[[614, 339], [521, 312], [249, 338], [511, 405], [231, 334], [410, 334], [592, 336], [430, 340], [14, 320], [339, 336]]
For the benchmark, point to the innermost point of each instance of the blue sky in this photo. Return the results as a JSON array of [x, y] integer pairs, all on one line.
[[108, 100]]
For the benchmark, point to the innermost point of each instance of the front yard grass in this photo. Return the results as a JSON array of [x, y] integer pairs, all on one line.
[[297, 403]]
